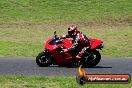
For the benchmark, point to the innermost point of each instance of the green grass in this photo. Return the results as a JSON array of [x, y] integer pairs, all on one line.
[[29, 42], [64, 10], [26, 24], [50, 82], [46, 16], [9, 48]]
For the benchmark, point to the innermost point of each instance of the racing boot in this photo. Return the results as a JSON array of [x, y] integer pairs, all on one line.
[[79, 56], [82, 52]]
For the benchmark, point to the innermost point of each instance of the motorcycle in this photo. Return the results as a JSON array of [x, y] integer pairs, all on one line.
[[53, 53]]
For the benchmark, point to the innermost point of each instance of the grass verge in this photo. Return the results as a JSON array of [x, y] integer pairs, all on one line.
[[64, 10], [50, 82], [26, 25]]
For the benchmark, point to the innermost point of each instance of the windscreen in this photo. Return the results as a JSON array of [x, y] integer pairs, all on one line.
[[55, 42]]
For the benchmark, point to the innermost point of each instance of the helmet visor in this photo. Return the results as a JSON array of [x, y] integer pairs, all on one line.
[[71, 33]]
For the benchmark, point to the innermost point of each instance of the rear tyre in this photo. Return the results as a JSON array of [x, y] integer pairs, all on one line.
[[44, 59], [94, 59]]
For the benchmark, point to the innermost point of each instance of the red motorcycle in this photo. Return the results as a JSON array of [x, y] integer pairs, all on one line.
[[53, 53]]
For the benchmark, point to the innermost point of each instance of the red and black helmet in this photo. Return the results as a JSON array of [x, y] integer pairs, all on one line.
[[72, 30]]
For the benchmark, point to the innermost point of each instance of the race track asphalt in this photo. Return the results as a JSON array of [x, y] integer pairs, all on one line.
[[27, 66]]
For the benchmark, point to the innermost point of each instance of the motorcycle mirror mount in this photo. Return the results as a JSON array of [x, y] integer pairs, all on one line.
[[55, 34]]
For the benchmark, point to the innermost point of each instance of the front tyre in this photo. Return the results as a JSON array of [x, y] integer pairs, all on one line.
[[94, 59], [44, 59]]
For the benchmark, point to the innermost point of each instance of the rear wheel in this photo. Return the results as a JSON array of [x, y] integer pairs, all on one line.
[[44, 59], [94, 59]]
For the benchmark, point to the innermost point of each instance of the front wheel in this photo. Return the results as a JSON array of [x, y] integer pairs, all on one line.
[[95, 58], [44, 59]]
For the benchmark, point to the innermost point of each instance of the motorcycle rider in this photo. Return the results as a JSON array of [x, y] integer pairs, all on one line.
[[80, 41]]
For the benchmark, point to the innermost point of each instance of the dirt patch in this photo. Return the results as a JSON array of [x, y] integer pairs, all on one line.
[[63, 25]]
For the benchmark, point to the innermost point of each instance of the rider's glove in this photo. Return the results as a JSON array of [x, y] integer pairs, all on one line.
[[65, 50]]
